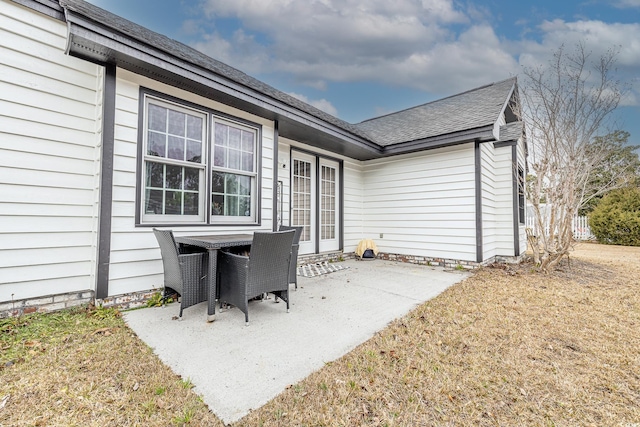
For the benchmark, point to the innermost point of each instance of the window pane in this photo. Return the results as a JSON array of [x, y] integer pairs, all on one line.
[[153, 202], [176, 148], [194, 128], [191, 203], [155, 175], [245, 206], [231, 184], [191, 179], [173, 203], [157, 118], [217, 205], [247, 141], [194, 151], [234, 138], [217, 182], [231, 206], [234, 159], [247, 162], [244, 185], [156, 144], [219, 157], [221, 135], [177, 123], [174, 177]]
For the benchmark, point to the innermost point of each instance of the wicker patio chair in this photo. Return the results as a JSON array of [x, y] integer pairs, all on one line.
[[293, 263], [265, 270], [184, 273]]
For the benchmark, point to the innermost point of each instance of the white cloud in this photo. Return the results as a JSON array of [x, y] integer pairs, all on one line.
[[625, 4], [320, 104], [430, 45], [405, 42]]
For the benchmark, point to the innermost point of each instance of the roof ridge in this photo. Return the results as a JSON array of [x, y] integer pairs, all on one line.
[[437, 100]]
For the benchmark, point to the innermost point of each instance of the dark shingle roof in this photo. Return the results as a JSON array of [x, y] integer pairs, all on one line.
[[468, 110]]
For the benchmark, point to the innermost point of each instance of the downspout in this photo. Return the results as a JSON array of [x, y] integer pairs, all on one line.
[[516, 201], [106, 182]]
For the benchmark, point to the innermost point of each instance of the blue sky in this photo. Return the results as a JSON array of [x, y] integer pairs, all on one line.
[[358, 59]]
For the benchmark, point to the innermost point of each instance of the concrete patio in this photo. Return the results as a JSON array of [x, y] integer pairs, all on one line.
[[237, 368]]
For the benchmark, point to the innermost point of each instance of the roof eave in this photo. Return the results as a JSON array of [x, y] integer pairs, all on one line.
[[91, 41]]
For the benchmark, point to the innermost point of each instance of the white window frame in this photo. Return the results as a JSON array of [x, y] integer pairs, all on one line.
[[206, 166], [166, 218], [253, 174]]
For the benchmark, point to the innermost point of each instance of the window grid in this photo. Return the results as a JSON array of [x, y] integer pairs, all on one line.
[[174, 180], [328, 203], [301, 210], [232, 175]]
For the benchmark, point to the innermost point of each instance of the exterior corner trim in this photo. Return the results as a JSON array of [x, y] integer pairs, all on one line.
[[478, 196]]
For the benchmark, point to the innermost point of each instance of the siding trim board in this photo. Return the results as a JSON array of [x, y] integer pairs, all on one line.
[[275, 210], [478, 195], [106, 182], [516, 198]]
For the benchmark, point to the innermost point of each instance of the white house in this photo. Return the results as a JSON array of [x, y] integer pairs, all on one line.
[[108, 129]]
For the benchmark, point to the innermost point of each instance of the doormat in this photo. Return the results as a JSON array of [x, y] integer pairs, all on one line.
[[318, 269]]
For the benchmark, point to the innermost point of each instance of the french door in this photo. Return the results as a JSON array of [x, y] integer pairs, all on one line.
[[315, 202]]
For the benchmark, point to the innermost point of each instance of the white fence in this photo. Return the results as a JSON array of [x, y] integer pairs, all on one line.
[[581, 229]]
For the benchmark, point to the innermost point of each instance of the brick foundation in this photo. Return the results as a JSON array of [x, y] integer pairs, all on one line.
[[44, 304], [51, 303], [139, 299]]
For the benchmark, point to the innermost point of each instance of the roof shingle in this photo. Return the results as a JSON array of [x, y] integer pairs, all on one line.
[[468, 110]]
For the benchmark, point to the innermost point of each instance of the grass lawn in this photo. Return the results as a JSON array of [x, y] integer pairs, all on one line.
[[505, 347]]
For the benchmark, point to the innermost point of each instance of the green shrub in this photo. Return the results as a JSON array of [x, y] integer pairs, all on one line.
[[616, 219]]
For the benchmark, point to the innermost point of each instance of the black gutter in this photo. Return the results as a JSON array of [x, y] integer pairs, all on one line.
[[482, 134], [106, 182]]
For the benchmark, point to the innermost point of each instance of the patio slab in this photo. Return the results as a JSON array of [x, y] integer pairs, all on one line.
[[238, 368]]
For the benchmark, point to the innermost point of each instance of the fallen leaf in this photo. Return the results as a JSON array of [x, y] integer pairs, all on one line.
[[4, 401], [32, 344], [105, 331]]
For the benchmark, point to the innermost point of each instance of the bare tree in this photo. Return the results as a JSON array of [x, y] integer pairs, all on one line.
[[565, 105]]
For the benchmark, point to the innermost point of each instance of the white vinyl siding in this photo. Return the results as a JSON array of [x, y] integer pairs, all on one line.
[[353, 204], [50, 109], [423, 204], [497, 201], [135, 257]]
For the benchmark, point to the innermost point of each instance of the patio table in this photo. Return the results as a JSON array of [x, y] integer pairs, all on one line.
[[213, 243]]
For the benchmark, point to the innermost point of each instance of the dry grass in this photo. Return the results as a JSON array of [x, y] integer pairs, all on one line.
[[505, 347]]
